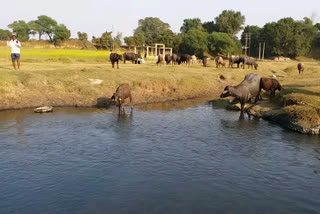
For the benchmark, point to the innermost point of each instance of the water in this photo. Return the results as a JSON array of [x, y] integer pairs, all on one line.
[[167, 158]]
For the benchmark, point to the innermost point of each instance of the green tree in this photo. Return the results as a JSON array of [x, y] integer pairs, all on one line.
[[254, 43], [48, 25], [83, 38], [230, 22], [194, 42], [210, 26], [118, 39], [35, 28], [222, 43], [189, 24], [139, 39], [21, 29], [61, 33], [151, 28], [129, 40], [5, 34]]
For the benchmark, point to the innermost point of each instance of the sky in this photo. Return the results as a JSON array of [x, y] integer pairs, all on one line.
[[97, 16]]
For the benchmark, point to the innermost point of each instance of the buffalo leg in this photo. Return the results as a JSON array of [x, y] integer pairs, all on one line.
[[242, 102], [112, 64], [118, 64]]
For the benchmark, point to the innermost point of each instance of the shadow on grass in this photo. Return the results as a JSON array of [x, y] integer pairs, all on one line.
[[294, 88]]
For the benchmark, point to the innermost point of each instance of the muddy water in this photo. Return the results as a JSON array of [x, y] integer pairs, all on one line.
[[167, 158]]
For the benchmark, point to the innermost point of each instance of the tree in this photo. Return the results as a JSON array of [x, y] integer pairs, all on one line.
[[139, 39], [151, 28], [129, 40], [48, 25], [21, 29], [189, 24], [83, 38], [222, 43], [5, 34], [254, 43], [230, 22], [118, 39], [61, 33], [35, 28], [194, 42], [209, 26]]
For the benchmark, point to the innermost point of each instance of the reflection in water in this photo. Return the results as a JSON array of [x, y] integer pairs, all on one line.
[[185, 157]]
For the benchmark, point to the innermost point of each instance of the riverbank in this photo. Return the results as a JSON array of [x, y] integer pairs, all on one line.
[[85, 79]]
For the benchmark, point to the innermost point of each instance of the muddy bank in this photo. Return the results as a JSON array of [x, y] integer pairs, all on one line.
[[270, 111]]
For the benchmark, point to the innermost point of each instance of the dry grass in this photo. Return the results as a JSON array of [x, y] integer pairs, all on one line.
[[61, 77]]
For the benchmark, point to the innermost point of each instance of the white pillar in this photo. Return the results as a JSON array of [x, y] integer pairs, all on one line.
[[170, 51], [135, 49], [164, 52], [156, 51], [147, 51]]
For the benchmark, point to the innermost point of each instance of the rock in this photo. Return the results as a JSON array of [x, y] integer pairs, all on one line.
[[44, 109], [95, 81]]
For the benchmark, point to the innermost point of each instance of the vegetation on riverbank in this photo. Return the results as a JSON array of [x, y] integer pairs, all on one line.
[[68, 78]]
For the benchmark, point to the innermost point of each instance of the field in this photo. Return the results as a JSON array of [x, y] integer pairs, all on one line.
[[63, 77]]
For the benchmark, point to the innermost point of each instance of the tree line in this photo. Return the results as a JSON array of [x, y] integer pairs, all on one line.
[[286, 37]]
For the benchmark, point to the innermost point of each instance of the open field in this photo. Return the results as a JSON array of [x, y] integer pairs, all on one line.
[[64, 78]]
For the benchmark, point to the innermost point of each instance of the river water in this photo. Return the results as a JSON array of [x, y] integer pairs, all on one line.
[[186, 157]]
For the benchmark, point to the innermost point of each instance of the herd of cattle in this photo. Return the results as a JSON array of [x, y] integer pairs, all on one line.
[[249, 88], [187, 59]]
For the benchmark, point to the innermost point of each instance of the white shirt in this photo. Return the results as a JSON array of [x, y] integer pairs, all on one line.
[[15, 47]]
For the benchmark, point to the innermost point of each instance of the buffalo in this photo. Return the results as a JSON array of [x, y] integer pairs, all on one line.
[[114, 58], [130, 56], [300, 68], [122, 93], [251, 62], [235, 60], [185, 58], [204, 61], [247, 89], [270, 84], [160, 59]]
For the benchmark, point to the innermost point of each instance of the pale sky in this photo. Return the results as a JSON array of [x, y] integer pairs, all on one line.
[[96, 16]]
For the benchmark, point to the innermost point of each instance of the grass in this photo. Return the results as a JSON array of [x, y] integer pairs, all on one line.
[[62, 77]]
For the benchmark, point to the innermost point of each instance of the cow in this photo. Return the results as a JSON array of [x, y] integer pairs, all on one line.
[[300, 68], [235, 60], [247, 89], [185, 58], [204, 61], [160, 59], [270, 84], [114, 58], [130, 56], [193, 59], [251, 62], [122, 93], [219, 61]]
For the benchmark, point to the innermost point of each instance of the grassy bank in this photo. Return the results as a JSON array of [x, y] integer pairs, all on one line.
[[66, 78]]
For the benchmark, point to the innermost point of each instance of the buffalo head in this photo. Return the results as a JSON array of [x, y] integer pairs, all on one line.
[[225, 92]]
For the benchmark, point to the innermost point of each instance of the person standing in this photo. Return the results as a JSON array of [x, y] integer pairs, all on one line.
[[15, 51]]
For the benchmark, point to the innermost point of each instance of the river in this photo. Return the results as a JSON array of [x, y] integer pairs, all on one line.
[[183, 157]]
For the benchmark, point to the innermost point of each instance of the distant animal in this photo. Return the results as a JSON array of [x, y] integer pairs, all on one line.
[[175, 59], [114, 58], [130, 56], [270, 84], [235, 60], [300, 68], [122, 93], [160, 59], [193, 59], [219, 61], [247, 89], [168, 58], [185, 58], [204, 61], [251, 62]]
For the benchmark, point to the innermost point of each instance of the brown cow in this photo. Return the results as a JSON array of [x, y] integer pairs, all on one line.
[[270, 84], [122, 93], [160, 59], [219, 61], [301, 68]]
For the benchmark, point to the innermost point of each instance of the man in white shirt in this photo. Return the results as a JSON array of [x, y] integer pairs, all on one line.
[[15, 51]]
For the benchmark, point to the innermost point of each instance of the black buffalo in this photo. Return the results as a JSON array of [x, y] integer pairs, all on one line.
[[114, 58], [235, 60], [185, 58], [130, 56]]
